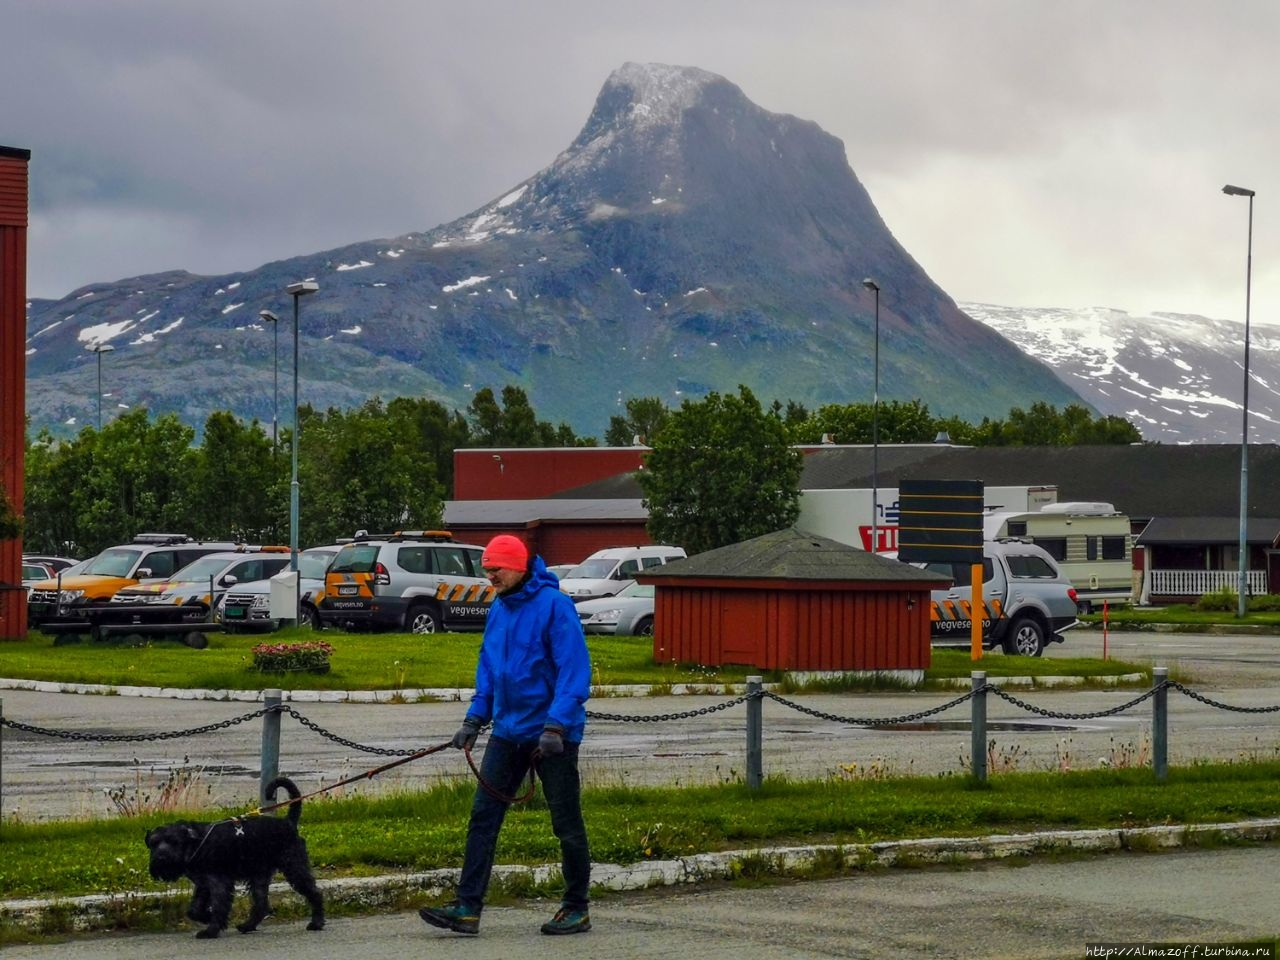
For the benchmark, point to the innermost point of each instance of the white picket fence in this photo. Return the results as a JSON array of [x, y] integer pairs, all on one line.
[[1195, 583]]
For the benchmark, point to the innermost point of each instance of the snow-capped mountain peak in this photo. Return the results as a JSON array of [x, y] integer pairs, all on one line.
[[1178, 377]]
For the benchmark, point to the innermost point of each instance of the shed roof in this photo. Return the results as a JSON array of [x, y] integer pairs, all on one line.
[[1142, 480], [1208, 530], [792, 555]]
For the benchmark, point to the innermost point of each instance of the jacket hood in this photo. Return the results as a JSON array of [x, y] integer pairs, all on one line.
[[539, 577]]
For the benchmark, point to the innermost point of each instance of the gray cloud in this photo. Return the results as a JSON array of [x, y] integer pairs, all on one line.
[[1027, 153]]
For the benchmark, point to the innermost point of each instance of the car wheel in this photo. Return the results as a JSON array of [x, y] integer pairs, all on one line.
[[1025, 638], [422, 619], [311, 618], [645, 627]]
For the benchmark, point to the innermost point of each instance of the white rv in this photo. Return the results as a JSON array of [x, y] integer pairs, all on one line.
[[1090, 541]]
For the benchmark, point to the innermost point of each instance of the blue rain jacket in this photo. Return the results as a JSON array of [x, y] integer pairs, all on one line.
[[534, 668]]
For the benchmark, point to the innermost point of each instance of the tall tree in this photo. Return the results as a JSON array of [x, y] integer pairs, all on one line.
[[721, 471], [434, 430], [364, 470], [644, 418], [237, 485], [513, 423], [1044, 425], [896, 421]]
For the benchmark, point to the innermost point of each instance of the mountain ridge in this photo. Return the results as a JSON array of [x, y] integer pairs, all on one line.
[[685, 241], [1178, 377]]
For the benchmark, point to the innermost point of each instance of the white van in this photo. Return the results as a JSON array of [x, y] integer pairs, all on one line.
[[607, 571]]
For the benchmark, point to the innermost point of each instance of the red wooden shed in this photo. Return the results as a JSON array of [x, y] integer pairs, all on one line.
[[792, 601]]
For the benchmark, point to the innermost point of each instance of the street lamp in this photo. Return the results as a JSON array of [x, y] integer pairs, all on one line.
[[275, 377], [297, 291], [100, 349], [875, 426], [1242, 604]]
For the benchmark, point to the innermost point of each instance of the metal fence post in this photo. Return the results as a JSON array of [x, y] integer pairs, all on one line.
[[1, 762], [978, 724], [755, 732], [271, 699], [1160, 723]]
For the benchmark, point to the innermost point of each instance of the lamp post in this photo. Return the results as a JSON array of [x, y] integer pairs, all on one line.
[[875, 426], [275, 378], [1242, 604], [100, 349], [297, 291]]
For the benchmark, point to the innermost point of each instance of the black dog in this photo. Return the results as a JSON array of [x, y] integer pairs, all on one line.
[[216, 855]]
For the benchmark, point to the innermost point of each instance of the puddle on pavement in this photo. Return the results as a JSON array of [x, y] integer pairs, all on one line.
[[996, 725]]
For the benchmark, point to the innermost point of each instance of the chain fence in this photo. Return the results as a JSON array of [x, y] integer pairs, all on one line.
[[273, 710]]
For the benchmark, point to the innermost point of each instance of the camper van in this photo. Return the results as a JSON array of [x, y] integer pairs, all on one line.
[[1090, 542], [607, 571]]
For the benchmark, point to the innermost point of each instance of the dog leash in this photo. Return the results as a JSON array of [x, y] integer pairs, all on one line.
[[370, 774], [367, 775], [498, 794]]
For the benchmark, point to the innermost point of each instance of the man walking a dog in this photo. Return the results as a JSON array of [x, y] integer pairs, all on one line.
[[533, 679]]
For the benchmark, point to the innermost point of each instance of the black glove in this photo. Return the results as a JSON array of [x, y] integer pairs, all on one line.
[[551, 742], [465, 738]]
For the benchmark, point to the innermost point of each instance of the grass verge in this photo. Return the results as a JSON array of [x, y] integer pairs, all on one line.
[[425, 830], [397, 661]]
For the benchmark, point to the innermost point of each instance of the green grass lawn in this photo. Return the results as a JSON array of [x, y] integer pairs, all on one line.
[[425, 830], [1184, 615], [397, 661]]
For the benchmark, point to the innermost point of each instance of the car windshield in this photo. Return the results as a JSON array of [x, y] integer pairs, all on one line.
[[112, 563], [201, 569], [357, 558], [312, 564], [591, 570], [642, 590]]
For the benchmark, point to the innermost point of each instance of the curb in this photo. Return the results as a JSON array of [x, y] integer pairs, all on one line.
[[102, 913]]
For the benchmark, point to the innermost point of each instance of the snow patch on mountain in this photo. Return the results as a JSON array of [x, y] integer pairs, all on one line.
[[1178, 377]]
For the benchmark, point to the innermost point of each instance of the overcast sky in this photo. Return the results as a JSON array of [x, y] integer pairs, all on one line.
[[1025, 152]]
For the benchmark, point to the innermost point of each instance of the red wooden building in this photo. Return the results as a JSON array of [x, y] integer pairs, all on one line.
[[529, 473], [559, 530], [13, 375], [792, 601]]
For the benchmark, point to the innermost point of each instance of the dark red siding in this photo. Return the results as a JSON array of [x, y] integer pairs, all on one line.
[[562, 542], [792, 626], [530, 474], [13, 405]]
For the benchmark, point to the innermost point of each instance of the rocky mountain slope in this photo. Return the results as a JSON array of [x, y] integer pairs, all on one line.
[[686, 241]]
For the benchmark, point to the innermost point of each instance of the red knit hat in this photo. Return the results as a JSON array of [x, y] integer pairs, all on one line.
[[507, 552]]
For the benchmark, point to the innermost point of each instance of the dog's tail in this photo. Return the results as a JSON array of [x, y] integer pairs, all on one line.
[[295, 796]]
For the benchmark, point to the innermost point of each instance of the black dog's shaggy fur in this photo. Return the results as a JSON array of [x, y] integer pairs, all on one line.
[[216, 855]]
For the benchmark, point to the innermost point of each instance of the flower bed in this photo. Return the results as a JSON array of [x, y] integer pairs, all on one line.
[[311, 656]]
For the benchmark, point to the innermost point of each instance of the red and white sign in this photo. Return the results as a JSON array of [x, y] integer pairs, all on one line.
[[886, 537]]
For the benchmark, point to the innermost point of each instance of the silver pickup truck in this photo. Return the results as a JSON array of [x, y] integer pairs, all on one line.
[[1027, 602]]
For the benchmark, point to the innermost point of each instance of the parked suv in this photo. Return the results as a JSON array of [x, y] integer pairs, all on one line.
[[190, 587], [247, 605], [419, 581], [151, 556], [1027, 600]]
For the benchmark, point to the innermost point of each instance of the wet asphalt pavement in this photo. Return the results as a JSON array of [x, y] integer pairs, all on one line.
[[1043, 909]]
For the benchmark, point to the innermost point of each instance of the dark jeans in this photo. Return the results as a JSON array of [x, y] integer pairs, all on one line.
[[504, 768]]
